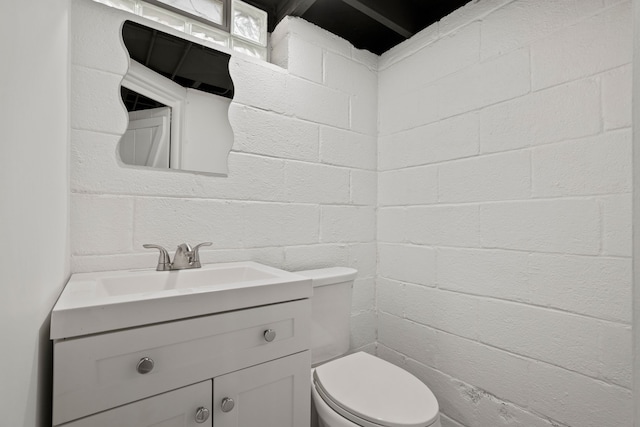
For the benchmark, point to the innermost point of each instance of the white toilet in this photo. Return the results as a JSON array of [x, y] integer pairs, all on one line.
[[358, 389]]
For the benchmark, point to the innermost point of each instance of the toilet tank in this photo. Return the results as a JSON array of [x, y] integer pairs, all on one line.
[[330, 311]]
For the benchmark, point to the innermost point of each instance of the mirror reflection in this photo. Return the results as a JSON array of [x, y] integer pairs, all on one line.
[[177, 94]]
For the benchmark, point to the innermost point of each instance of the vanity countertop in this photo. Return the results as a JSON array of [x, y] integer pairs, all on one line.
[[112, 300]]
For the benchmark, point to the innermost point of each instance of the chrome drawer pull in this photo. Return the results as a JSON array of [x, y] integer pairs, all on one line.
[[269, 335], [202, 415], [227, 404], [145, 365]]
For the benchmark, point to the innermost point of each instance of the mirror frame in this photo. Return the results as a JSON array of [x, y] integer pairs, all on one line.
[[152, 85]]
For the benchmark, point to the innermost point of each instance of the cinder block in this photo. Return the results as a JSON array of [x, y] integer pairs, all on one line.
[[120, 261], [413, 264], [408, 338], [617, 224], [346, 148], [495, 371], [443, 225], [556, 114], [414, 186], [258, 84], [366, 58], [443, 310], [347, 224], [390, 296], [435, 60], [501, 274], [501, 176], [96, 104], [96, 38], [364, 187], [363, 329], [308, 182], [616, 98], [505, 77], [348, 76], [329, 106], [318, 36], [519, 23], [273, 256], [287, 224], [453, 395], [391, 356], [364, 258], [408, 47], [597, 165], [534, 332], [101, 224], [279, 53], [480, 85], [576, 400], [445, 421], [470, 12], [305, 59], [392, 225], [594, 286], [271, 134], [617, 354], [566, 226], [448, 139], [363, 295], [310, 257], [363, 112], [171, 221], [402, 110], [599, 43], [250, 178]]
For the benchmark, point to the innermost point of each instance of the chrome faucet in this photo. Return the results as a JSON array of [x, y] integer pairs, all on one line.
[[184, 258]]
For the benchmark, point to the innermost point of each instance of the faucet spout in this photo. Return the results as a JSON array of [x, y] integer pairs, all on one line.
[[183, 257]]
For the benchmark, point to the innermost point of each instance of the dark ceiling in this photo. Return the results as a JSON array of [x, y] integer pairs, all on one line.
[[374, 25]]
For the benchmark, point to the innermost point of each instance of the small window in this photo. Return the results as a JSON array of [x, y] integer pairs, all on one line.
[[230, 23]]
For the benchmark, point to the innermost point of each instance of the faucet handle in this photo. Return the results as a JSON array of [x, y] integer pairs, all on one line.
[[164, 262], [196, 253]]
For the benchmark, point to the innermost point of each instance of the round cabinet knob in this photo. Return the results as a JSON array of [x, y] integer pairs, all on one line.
[[202, 415], [227, 404], [269, 335], [145, 365]]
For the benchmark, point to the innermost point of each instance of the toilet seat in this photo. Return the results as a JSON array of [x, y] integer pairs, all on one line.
[[372, 392]]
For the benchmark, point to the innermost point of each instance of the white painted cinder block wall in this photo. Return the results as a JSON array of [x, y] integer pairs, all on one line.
[[301, 190], [504, 219]]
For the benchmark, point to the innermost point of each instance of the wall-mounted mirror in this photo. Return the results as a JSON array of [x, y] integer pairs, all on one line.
[[177, 94]]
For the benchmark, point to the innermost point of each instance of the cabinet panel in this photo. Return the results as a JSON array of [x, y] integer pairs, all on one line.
[[176, 408], [273, 394], [99, 372]]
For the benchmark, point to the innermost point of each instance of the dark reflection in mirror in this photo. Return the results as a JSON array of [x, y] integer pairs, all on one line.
[[177, 93]]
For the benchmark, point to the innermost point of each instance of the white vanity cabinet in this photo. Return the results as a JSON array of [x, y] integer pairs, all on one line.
[[246, 368]]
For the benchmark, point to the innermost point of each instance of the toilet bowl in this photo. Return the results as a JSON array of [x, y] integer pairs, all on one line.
[[358, 389], [363, 390]]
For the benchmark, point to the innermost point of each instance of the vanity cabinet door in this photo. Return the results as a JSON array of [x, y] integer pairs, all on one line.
[[185, 407], [272, 394]]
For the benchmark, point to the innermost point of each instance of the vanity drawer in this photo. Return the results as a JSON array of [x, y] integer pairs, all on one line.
[[178, 408], [99, 372]]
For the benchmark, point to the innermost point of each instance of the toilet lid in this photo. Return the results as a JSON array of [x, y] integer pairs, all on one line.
[[377, 391]]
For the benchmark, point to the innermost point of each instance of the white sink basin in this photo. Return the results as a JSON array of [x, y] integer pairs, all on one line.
[[110, 300]]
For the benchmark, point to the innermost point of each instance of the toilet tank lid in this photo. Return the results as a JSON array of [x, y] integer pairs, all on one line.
[[329, 276]]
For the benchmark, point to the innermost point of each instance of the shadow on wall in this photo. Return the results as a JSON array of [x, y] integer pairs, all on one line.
[[43, 368]]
